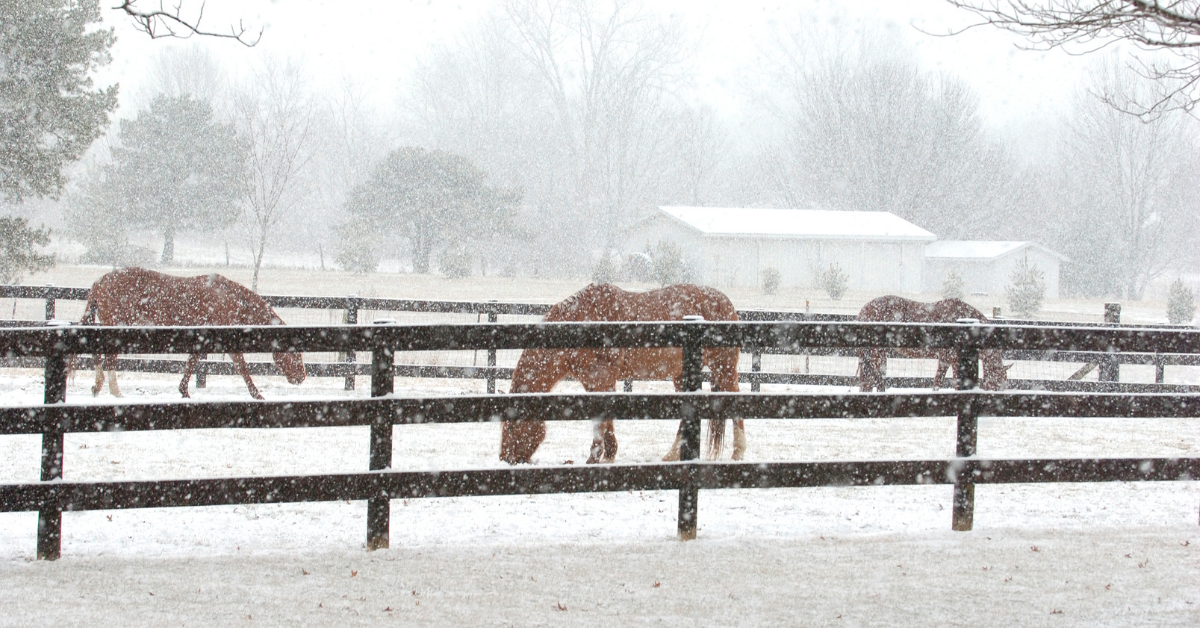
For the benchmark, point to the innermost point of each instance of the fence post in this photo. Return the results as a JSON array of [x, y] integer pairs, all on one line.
[[379, 515], [1110, 370], [963, 510], [756, 367], [491, 355], [49, 301], [49, 536], [689, 423], [351, 318]]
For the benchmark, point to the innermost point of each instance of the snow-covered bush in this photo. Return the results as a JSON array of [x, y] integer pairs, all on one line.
[[17, 253], [834, 282], [952, 286], [669, 267], [605, 271], [1181, 304], [770, 280], [1026, 289]]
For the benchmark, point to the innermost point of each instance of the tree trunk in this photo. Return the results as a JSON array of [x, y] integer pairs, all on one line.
[[258, 257], [422, 250], [168, 253]]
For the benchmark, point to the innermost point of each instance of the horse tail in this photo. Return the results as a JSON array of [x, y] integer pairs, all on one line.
[[716, 438], [88, 318]]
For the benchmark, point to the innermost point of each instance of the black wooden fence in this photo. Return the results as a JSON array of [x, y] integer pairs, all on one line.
[[349, 368], [378, 486]]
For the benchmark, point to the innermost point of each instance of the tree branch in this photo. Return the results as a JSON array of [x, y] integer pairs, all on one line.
[[170, 22], [1084, 26]]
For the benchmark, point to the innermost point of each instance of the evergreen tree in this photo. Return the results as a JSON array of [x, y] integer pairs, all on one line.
[[179, 169], [1181, 304], [770, 280], [834, 282], [17, 254], [952, 286], [98, 217], [1026, 290], [668, 264], [49, 113]]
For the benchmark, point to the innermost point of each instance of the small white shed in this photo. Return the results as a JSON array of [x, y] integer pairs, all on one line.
[[986, 267], [878, 251]]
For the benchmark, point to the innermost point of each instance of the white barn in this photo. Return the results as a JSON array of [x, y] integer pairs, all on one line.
[[986, 267], [878, 251]]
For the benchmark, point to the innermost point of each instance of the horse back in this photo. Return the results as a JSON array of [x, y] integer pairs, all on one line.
[[136, 296], [896, 309], [608, 303]]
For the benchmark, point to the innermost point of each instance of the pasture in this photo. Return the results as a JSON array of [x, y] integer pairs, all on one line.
[[1039, 554]]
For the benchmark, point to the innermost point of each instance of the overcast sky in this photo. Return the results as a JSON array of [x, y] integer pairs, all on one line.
[[1021, 92]]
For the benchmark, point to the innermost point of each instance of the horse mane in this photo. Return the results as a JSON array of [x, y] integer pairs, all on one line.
[[254, 306]]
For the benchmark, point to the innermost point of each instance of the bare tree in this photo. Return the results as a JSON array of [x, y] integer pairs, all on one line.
[[275, 116], [866, 129], [190, 71], [701, 149], [346, 140], [609, 69], [1126, 190], [1088, 25]]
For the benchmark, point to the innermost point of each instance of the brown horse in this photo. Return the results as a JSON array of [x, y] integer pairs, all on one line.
[[538, 370], [893, 309], [135, 296]]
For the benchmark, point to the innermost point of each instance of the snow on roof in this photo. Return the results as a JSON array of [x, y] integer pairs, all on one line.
[[798, 223], [978, 249]]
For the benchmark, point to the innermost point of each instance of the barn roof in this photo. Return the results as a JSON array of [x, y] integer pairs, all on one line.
[[818, 224], [980, 249]]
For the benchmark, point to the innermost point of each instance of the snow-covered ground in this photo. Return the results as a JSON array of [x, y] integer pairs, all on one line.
[[1114, 554]]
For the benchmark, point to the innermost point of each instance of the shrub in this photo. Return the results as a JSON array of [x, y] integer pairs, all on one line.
[[1181, 304], [605, 271], [1026, 290], [17, 253], [668, 264], [952, 286], [770, 281], [834, 282]]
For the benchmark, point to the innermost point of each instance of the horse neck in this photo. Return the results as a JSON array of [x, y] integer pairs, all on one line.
[[537, 371]]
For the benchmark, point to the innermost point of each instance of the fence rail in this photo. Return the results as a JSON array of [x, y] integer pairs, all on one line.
[[349, 369], [55, 344]]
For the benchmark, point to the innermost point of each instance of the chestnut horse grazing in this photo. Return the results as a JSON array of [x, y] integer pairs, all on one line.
[[135, 296], [893, 309], [538, 370]]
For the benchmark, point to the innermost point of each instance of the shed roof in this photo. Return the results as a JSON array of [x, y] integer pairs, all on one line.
[[981, 249], [797, 223]]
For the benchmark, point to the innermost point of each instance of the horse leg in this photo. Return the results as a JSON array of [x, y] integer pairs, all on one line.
[[110, 365], [188, 369], [609, 438], [942, 367], [673, 454], [739, 439], [99, 375], [240, 363], [604, 442]]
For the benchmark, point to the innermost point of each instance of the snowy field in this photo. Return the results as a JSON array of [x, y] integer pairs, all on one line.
[[1053, 554], [1114, 554]]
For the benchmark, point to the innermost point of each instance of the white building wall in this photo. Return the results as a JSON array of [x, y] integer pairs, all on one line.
[[874, 266]]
